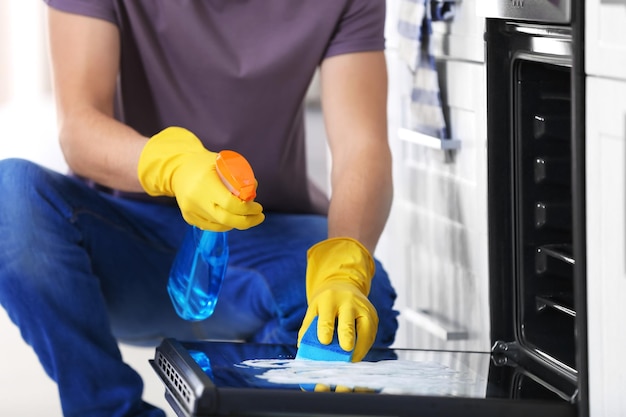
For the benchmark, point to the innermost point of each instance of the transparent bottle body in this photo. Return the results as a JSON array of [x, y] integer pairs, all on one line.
[[197, 273]]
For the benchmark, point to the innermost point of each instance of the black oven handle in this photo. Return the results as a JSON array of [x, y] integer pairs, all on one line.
[[544, 40]]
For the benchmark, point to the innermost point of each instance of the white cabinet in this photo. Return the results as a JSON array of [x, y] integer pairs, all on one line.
[[436, 236], [605, 38], [605, 130], [606, 243]]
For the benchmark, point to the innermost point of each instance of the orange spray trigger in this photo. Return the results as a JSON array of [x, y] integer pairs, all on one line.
[[236, 174]]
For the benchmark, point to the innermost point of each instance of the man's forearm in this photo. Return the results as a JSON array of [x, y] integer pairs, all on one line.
[[84, 54], [354, 99], [361, 196], [102, 149]]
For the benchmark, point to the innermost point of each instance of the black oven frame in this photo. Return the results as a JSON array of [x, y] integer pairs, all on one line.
[[502, 52]]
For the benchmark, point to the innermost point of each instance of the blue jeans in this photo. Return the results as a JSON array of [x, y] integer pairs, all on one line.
[[81, 270]]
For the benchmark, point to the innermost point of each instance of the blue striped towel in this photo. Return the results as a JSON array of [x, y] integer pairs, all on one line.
[[415, 29]]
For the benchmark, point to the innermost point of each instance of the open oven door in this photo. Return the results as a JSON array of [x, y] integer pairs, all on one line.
[[245, 379]]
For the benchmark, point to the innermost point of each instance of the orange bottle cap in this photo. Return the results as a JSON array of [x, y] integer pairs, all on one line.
[[236, 174]]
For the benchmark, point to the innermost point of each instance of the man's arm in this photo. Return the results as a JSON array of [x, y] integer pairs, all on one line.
[[85, 54], [340, 268], [85, 60], [354, 100]]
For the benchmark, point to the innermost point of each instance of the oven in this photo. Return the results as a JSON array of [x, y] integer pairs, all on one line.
[[536, 190]]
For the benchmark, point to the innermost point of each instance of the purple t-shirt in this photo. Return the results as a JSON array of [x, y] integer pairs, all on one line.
[[234, 72]]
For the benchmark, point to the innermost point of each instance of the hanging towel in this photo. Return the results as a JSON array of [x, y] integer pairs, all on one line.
[[415, 29]]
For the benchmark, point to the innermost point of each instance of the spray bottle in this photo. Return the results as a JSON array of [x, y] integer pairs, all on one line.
[[200, 265]]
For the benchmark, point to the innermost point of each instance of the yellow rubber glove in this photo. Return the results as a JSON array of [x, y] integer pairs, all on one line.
[[174, 163], [338, 281]]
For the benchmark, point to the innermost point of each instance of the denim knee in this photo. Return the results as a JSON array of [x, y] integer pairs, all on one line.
[[21, 215], [383, 297], [16, 211], [18, 180]]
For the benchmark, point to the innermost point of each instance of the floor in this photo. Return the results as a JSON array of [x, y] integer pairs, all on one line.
[[25, 390]]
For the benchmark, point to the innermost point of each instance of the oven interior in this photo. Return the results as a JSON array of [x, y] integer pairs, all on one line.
[[542, 208]]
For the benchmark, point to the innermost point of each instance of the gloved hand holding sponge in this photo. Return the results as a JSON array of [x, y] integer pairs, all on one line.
[[338, 281], [174, 163]]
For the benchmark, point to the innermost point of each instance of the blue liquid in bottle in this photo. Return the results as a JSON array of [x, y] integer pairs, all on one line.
[[197, 273]]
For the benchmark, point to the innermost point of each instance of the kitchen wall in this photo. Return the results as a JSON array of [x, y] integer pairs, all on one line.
[[22, 53]]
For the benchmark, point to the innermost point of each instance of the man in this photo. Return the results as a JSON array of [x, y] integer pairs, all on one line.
[[147, 91]]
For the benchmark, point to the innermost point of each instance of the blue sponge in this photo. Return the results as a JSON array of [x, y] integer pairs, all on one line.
[[310, 347]]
